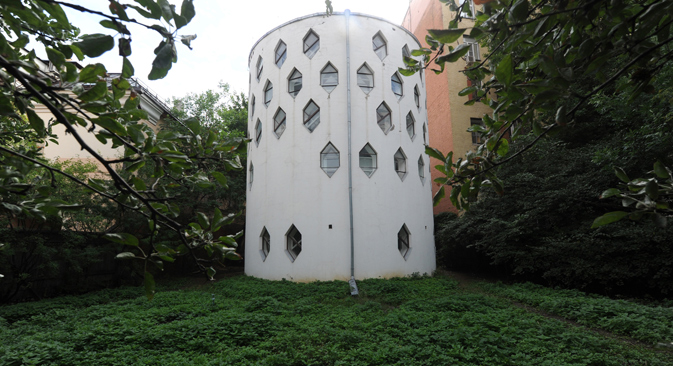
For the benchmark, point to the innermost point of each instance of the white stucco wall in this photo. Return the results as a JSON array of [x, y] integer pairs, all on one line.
[[289, 187]]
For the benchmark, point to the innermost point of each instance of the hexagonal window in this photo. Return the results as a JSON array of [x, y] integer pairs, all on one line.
[[396, 84], [281, 53], [403, 237], [294, 83], [329, 159], [425, 135], [268, 93], [251, 174], [417, 97], [265, 243], [329, 77], [405, 52], [260, 67], [380, 45], [258, 132], [293, 242], [279, 122], [368, 160], [411, 126], [252, 105], [421, 169], [311, 115], [365, 78], [311, 44], [401, 163], [383, 118]]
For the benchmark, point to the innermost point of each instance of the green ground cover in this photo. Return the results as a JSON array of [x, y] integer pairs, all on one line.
[[247, 321]]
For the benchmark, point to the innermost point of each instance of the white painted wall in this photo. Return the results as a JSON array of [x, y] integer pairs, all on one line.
[[289, 187]]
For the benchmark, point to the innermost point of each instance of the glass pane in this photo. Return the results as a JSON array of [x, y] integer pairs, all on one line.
[[313, 122], [294, 86], [365, 80], [327, 79], [268, 94], [281, 54]]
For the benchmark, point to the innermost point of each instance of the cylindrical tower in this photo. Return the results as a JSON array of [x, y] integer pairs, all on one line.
[[338, 179]]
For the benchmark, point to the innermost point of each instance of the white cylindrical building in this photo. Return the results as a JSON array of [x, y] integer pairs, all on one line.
[[338, 179]]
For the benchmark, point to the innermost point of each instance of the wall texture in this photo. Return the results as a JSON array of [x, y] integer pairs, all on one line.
[[288, 187]]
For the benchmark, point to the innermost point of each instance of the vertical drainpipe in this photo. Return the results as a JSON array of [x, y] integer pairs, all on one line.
[[353, 285]]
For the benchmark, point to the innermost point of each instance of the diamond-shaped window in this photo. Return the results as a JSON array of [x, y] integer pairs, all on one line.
[[281, 53], [329, 159], [383, 118], [368, 160], [403, 241], [279, 122], [258, 132], [329, 77], [311, 115], [421, 169], [411, 126], [401, 163], [365, 78], [268, 93], [293, 242], [265, 243], [396, 84], [311, 44], [294, 83], [380, 45]]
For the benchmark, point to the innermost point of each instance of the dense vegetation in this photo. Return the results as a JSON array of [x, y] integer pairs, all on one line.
[[540, 227], [245, 321]]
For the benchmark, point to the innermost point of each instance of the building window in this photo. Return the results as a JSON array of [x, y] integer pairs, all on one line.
[[268, 93], [294, 83], [279, 122], [329, 77], [251, 174], [472, 54], [365, 78], [368, 160], [405, 52], [265, 240], [281, 53], [258, 132], [396, 84], [401, 163], [403, 241], [425, 134], [252, 105], [329, 159], [311, 44], [411, 126], [421, 168], [311, 115], [383, 118], [468, 9], [293, 243], [260, 67], [417, 97], [476, 136], [380, 46]]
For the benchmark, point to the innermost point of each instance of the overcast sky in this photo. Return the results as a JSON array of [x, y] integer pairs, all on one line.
[[226, 31]]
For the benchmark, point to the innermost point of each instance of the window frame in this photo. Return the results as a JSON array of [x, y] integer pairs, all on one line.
[[380, 117], [399, 81], [329, 87], [473, 54], [308, 49], [383, 46], [371, 76], [265, 243], [290, 238], [412, 133], [279, 126], [325, 155], [373, 156], [260, 67], [417, 97], [400, 163], [404, 241], [421, 169], [476, 136], [293, 93], [251, 174], [280, 61], [258, 132], [307, 118], [268, 92]]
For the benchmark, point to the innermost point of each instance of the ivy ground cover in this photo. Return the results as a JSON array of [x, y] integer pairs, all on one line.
[[248, 321]]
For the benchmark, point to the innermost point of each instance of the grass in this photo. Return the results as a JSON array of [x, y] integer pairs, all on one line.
[[247, 321]]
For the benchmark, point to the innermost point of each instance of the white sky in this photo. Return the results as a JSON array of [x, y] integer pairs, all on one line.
[[226, 31]]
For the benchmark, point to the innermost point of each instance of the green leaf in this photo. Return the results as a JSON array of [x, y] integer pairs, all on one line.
[[217, 219], [621, 174], [135, 166], [609, 218], [56, 57], [111, 124], [446, 35], [94, 45], [211, 272], [221, 178], [660, 170], [127, 68], [434, 153], [561, 116], [126, 255], [36, 123], [122, 238], [405, 71], [124, 47], [97, 92], [519, 11], [92, 73], [203, 219], [150, 286], [467, 91], [455, 55], [652, 189], [438, 196], [187, 10], [610, 192], [503, 148], [504, 70]]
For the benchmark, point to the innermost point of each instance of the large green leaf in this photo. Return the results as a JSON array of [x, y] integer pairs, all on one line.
[[609, 218], [94, 45], [122, 238], [446, 35], [504, 71]]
